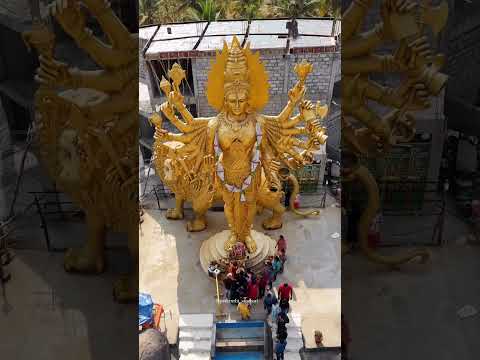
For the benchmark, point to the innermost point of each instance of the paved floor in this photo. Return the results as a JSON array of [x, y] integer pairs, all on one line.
[[47, 314], [412, 313], [170, 269]]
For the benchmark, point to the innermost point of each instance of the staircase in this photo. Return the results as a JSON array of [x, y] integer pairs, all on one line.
[[240, 340], [195, 336], [294, 339]]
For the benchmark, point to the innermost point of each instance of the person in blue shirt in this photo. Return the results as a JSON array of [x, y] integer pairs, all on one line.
[[280, 349], [268, 302], [276, 267]]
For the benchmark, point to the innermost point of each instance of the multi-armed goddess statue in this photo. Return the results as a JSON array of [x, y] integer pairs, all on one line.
[[239, 156]]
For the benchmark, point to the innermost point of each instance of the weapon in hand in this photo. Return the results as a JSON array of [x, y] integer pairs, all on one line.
[[177, 74]]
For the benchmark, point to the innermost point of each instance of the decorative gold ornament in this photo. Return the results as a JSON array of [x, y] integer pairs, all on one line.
[[86, 125], [239, 156], [364, 131]]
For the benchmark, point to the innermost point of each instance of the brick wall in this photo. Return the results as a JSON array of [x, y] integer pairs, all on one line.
[[281, 78], [142, 66]]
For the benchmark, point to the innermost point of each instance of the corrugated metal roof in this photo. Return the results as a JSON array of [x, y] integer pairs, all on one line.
[[185, 44], [216, 42], [227, 28], [269, 27], [146, 33], [180, 30], [315, 27], [262, 34]]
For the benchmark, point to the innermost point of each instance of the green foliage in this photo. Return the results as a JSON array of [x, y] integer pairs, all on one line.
[[169, 11], [247, 9], [306, 8], [148, 11], [207, 10]]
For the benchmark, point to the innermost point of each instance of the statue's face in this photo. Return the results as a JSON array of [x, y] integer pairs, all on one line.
[[236, 102]]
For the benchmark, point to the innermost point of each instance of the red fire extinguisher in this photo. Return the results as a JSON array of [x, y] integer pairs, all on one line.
[[374, 232]]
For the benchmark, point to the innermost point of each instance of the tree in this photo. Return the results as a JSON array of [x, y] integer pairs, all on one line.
[[207, 10], [304, 8], [148, 10], [247, 9]]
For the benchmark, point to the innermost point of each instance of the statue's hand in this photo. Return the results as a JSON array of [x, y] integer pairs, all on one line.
[[176, 99], [296, 94], [413, 55], [389, 8], [307, 157], [160, 134], [69, 14], [414, 94], [156, 120], [208, 162], [53, 73], [167, 109]]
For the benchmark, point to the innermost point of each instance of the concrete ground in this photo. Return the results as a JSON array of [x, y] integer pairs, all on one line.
[[46, 313], [170, 269], [412, 313]]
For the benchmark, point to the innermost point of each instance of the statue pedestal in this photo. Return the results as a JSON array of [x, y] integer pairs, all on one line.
[[212, 249]]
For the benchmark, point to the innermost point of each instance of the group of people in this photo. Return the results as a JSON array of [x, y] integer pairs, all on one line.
[[278, 310], [244, 287], [241, 284]]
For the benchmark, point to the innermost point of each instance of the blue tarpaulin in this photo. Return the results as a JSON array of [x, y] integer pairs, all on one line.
[[145, 309]]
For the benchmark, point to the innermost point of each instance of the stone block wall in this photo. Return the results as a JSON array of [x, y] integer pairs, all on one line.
[[142, 66], [281, 78]]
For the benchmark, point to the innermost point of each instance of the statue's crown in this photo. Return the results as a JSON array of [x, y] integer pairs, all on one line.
[[236, 69]]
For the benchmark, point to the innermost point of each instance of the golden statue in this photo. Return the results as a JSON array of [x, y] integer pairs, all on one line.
[[364, 131], [239, 156], [86, 124]]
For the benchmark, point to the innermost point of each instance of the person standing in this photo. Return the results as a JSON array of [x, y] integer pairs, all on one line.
[[275, 312], [244, 310], [284, 305], [282, 334], [283, 257], [276, 267], [285, 291], [262, 284], [281, 244], [280, 349], [227, 283], [252, 291], [268, 302]]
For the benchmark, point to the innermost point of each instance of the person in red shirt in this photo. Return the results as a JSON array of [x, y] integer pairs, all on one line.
[[252, 292], [232, 268], [285, 291], [281, 244]]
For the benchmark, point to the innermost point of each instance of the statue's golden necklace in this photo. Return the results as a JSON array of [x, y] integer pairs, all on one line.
[[235, 125]]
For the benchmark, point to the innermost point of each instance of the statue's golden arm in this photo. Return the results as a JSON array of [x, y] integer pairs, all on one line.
[[370, 64], [103, 80], [381, 94], [103, 54], [294, 131], [292, 122], [117, 33], [353, 17], [284, 114], [363, 44], [117, 103]]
